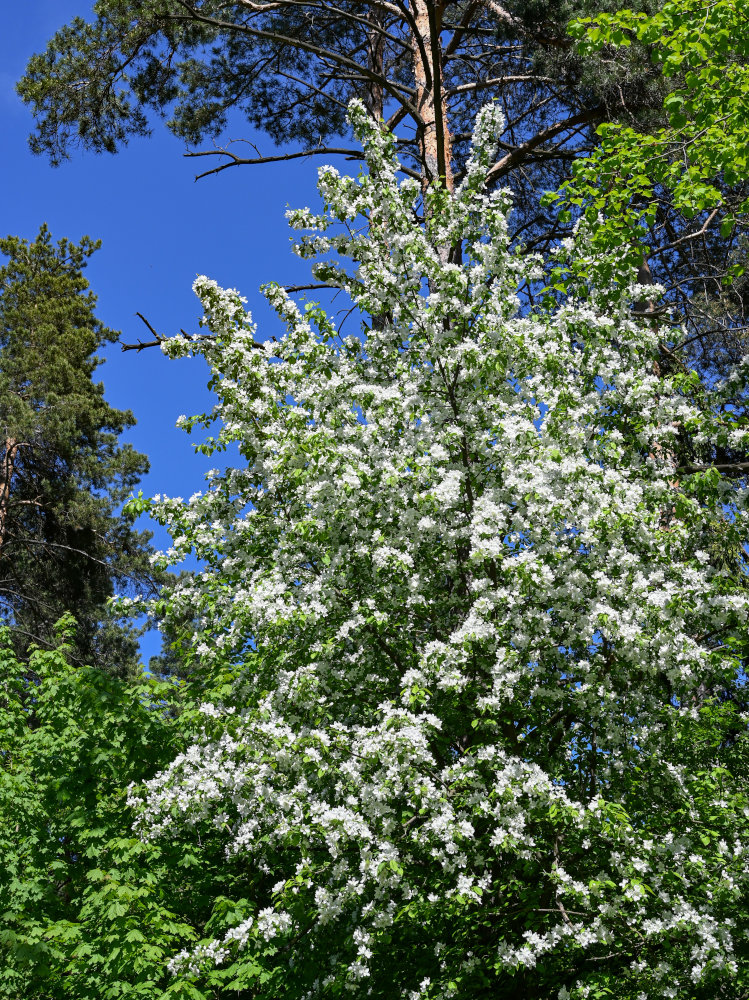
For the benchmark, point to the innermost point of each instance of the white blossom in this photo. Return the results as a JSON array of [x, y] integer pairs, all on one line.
[[465, 602]]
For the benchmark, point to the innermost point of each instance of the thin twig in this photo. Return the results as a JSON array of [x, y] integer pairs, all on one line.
[[160, 339]]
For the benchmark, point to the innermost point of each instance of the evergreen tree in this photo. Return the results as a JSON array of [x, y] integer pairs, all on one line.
[[63, 472], [290, 69], [424, 66]]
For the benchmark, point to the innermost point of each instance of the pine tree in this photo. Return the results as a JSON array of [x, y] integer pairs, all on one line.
[[289, 69], [63, 471], [424, 66]]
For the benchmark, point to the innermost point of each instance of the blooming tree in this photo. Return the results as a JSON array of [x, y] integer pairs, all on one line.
[[464, 622]]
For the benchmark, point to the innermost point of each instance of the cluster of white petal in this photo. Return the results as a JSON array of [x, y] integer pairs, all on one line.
[[465, 601]]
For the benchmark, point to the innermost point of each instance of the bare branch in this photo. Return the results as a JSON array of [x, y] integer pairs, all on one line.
[[511, 159], [503, 15], [461, 29], [496, 81], [707, 333], [144, 320], [303, 288], [63, 548], [688, 236], [236, 161], [160, 339], [718, 466]]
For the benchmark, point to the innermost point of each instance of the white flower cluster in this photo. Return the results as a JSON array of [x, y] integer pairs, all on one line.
[[466, 601]]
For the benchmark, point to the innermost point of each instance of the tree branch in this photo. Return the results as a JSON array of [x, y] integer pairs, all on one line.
[[160, 339], [461, 29], [495, 81], [718, 466], [511, 159], [306, 46], [236, 161]]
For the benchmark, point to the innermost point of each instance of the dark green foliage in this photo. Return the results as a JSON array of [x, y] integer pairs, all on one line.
[[290, 69], [63, 473]]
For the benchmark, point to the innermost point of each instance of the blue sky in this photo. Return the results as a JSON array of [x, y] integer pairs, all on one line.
[[159, 229]]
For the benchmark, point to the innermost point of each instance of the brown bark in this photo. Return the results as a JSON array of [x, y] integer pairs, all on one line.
[[645, 277], [434, 132], [7, 471], [376, 62]]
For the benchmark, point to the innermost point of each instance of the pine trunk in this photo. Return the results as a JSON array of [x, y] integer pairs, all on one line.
[[434, 129], [7, 471]]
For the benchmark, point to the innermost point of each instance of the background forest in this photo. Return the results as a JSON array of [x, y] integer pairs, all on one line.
[[444, 691]]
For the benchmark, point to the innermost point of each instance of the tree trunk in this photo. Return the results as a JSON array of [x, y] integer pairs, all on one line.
[[376, 62], [645, 277], [7, 470], [434, 130]]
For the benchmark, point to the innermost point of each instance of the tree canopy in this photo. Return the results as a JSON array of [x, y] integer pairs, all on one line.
[[289, 69], [464, 587], [63, 471], [640, 186], [89, 911]]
